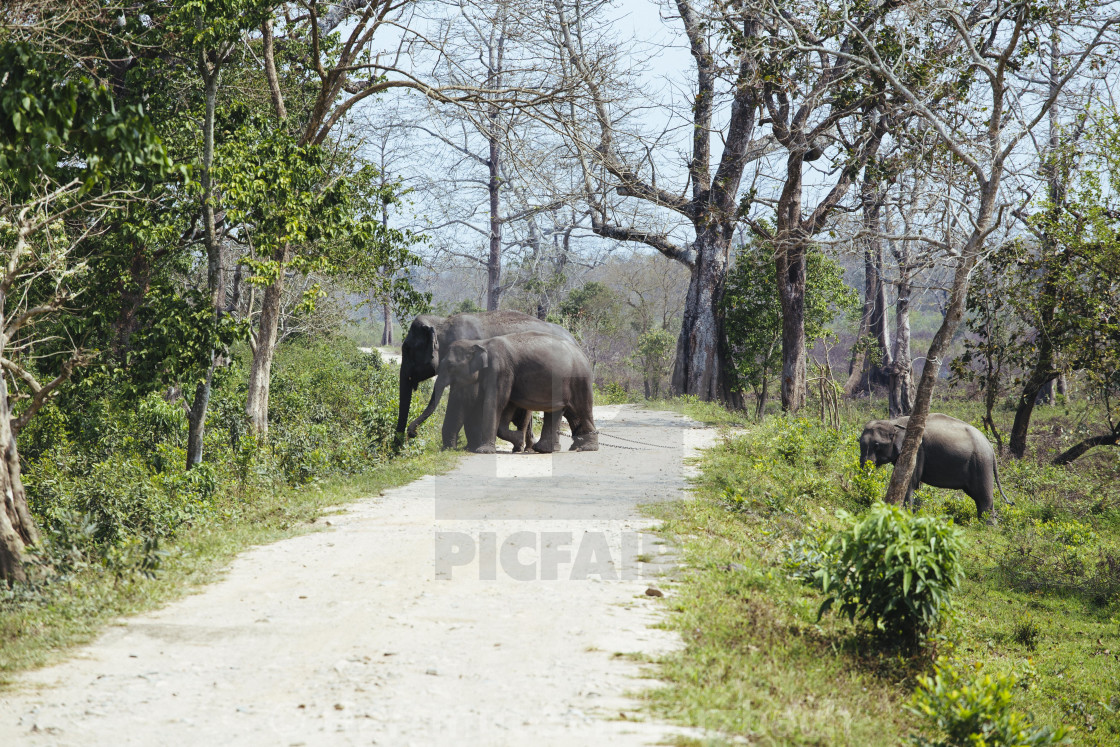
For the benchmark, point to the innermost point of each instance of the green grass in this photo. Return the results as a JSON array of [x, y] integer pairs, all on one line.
[[758, 665], [39, 626]]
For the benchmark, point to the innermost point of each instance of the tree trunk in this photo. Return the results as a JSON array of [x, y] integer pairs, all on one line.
[[134, 289], [494, 261], [196, 418], [387, 329], [496, 60], [916, 426], [264, 349], [867, 369], [17, 528], [901, 384], [791, 292], [702, 358], [1043, 369]]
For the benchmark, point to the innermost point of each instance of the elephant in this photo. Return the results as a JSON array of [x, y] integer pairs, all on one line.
[[527, 370], [953, 455], [430, 335]]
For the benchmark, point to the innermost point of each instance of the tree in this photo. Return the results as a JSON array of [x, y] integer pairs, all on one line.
[[1059, 162], [331, 55], [62, 143], [998, 104], [753, 313], [620, 181]]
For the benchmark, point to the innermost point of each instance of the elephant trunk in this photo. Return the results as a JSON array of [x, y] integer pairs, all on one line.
[[406, 388], [433, 403]]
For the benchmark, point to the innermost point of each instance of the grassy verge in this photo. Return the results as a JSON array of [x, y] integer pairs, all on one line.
[[1041, 598], [38, 625]]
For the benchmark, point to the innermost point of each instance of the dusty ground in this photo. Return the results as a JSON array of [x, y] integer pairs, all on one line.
[[487, 606]]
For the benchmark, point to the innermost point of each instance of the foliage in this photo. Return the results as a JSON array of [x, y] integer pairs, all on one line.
[[63, 126], [302, 214], [651, 358], [973, 709], [104, 467], [758, 664], [889, 568], [752, 310]]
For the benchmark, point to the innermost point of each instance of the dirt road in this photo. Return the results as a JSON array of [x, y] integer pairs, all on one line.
[[487, 606]]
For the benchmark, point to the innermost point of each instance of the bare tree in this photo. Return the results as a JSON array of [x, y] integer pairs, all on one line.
[[758, 93], [998, 45], [622, 174]]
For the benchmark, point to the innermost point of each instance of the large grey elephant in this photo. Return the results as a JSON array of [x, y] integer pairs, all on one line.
[[527, 370], [431, 335], [952, 455]]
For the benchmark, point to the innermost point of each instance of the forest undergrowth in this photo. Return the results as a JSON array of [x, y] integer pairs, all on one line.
[[1030, 645]]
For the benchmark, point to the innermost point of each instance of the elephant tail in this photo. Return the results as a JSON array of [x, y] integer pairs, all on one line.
[[995, 470]]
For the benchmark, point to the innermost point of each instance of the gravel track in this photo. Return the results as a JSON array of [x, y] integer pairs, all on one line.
[[487, 606]]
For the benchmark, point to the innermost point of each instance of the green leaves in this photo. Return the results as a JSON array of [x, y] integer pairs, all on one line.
[[58, 123], [889, 568], [973, 709], [752, 309]]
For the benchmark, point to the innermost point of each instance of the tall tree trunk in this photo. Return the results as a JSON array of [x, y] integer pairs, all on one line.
[[789, 256], [1043, 369], [494, 261], [17, 528], [901, 385], [496, 60], [702, 358], [970, 254], [868, 368], [264, 349], [387, 329], [196, 418], [791, 291], [904, 467], [1041, 372]]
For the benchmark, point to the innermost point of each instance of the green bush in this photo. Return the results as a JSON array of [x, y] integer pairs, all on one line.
[[105, 470], [865, 483], [889, 568], [612, 393], [974, 710]]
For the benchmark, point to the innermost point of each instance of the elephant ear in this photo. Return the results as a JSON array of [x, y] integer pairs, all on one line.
[[899, 437], [480, 359]]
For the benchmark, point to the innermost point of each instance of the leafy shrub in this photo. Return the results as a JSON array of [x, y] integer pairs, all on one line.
[[865, 484], [612, 393], [889, 568], [975, 711], [1058, 556], [105, 468]]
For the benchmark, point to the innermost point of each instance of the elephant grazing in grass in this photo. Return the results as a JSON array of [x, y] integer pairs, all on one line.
[[953, 455], [529, 371], [431, 336]]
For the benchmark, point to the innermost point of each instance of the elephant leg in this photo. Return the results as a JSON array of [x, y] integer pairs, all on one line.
[[529, 430], [515, 437], [584, 435], [454, 418], [522, 422], [550, 433], [489, 414], [982, 492]]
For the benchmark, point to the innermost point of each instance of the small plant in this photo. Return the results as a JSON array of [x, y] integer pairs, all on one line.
[[973, 709], [889, 568], [865, 483], [1026, 634]]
